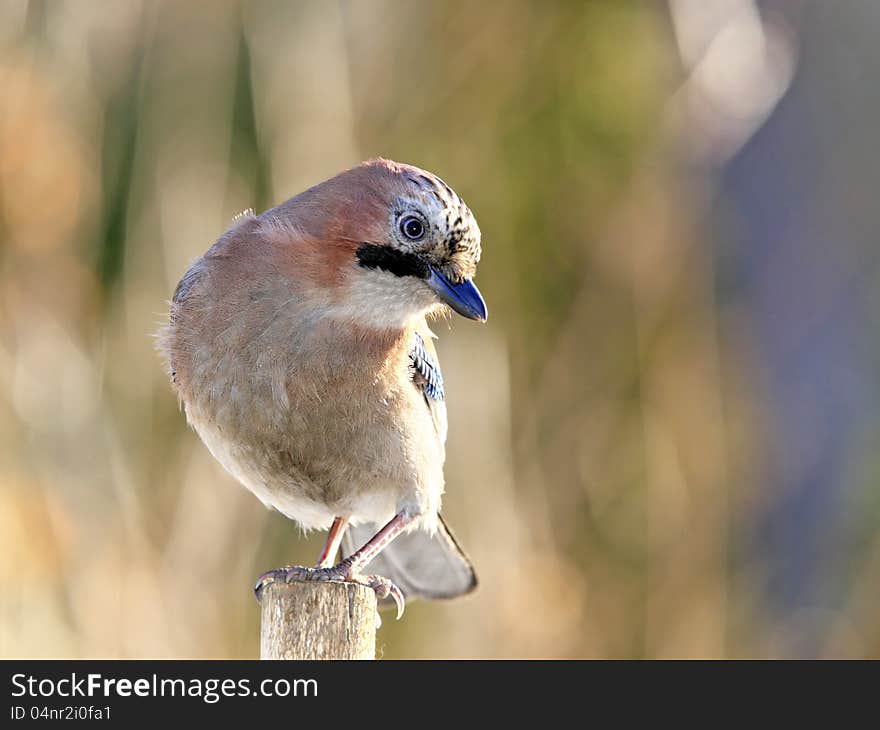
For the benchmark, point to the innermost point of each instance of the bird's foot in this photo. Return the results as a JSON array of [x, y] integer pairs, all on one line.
[[341, 573]]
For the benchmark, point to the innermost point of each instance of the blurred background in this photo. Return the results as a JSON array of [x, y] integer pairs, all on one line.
[[663, 443]]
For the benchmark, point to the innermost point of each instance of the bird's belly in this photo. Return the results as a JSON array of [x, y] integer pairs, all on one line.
[[316, 464]]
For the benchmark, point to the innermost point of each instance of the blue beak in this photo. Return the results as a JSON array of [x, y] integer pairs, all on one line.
[[464, 298]]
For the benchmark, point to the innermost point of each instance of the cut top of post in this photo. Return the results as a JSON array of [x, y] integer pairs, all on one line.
[[317, 620]]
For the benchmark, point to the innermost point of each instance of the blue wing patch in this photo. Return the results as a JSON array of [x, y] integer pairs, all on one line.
[[426, 370]]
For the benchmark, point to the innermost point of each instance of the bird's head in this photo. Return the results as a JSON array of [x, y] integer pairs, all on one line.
[[401, 243]]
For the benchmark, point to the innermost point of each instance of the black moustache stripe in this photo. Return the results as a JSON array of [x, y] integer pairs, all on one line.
[[389, 259]]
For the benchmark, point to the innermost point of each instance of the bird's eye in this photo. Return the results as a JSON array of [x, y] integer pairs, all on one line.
[[412, 228]]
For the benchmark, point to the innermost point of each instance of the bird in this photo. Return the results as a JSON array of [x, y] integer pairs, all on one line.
[[299, 348]]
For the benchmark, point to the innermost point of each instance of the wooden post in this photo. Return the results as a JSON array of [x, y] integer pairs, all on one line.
[[317, 620]]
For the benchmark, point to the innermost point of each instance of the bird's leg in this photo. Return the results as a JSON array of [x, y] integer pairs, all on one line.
[[348, 570], [331, 547], [377, 543]]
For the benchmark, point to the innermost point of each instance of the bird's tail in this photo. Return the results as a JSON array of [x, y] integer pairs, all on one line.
[[421, 565]]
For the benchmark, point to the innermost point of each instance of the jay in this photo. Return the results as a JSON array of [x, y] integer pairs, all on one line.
[[299, 348]]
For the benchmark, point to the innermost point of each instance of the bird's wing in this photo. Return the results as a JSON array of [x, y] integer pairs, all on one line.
[[428, 379]]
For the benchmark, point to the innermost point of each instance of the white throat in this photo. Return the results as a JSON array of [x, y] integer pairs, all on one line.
[[373, 298]]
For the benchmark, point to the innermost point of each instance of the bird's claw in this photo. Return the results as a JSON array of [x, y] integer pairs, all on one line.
[[287, 574], [384, 588], [339, 573]]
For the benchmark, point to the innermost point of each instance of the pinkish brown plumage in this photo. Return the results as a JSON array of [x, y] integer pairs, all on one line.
[[299, 347]]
